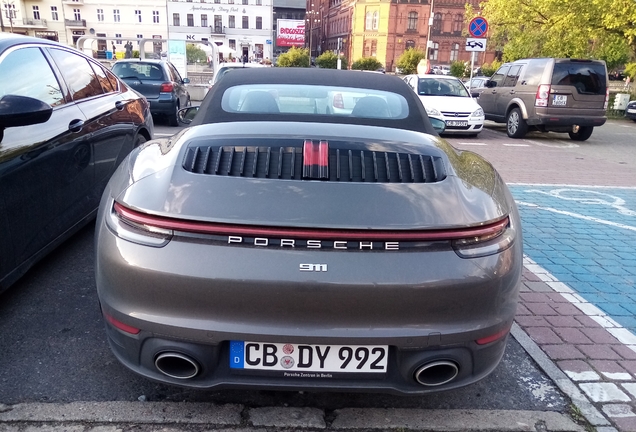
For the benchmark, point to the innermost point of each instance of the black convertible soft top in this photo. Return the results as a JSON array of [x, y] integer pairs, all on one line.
[[211, 111]]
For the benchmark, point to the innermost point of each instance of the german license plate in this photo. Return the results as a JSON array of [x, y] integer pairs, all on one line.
[[308, 358], [456, 123], [559, 100]]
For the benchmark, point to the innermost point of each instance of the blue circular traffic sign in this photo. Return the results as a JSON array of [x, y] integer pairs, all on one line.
[[478, 27]]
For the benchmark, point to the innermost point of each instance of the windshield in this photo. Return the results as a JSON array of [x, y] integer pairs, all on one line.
[[441, 87], [289, 99]]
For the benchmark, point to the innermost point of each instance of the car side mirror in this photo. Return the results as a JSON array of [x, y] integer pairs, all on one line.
[[23, 111], [186, 115], [186, 80], [438, 125]]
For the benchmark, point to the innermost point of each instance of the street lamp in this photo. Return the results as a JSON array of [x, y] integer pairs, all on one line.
[[311, 21]]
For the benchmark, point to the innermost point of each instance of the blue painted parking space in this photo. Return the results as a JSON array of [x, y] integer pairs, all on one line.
[[585, 237]]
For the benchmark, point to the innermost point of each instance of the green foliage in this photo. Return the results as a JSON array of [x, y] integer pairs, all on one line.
[[329, 60], [366, 63], [295, 57], [194, 54], [489, 69], [604, 29], [408, 61], [630, 70], [460, 69]]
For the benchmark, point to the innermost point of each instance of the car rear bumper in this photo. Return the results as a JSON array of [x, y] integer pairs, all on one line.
[[551, 120], [192, 298], [163, 104]]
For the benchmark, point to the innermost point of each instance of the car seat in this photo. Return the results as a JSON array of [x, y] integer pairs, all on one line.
[[259, 102], [371, 106]]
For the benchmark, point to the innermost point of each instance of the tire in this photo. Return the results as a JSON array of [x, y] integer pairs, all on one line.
[[584, 133], [139, 140], [173, 119], [516, 126]]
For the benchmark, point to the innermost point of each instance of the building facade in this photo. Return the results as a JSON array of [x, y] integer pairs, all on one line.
[[384, 29], [239, 27], [67, 21]]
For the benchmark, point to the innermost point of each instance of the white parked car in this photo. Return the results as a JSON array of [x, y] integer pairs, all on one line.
[[446, 98]]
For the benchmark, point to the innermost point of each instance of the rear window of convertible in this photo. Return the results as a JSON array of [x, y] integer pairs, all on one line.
[[290, 99]]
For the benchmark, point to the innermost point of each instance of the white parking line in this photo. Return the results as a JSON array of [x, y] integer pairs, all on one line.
[[472, 144], [163, 134], [516, 145]]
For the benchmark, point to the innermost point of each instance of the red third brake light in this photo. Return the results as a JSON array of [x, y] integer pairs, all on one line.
[[315, 159], [166, 87]]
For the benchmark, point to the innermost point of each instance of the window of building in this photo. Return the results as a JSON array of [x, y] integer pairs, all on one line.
[[217, 1], [259, 23], [409, 44], [176, 19], [376, 19], [116, 16], [230, 1], [77, 14], [118, 36], [190, 18], [138, 15], [246, 22], [231, 21], [218, 24], [155, 17], [454, 55], [368, 22], [458, 23], [370, 47], [232, 44], [140, 36], [9, 10], [437, 22], [36, 12], [245, 2], [412, 21], [100, 15], [259, 2], [204, 20], [54, 15], [434, 51]]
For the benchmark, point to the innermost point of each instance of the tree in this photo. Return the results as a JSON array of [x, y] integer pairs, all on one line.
[[366, 63], [329, 60], [459, 69], [295, 57], [194, 54], [604, 29], [408, 61], [489, 69]]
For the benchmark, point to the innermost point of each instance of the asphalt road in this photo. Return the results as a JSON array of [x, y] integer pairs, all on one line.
[[53, 346]]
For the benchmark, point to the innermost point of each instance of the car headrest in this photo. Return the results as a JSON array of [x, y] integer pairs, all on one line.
[[371, 106]]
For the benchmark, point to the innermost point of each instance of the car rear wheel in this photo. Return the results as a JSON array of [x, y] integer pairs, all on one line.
[[173, 119], [516, 126], [583, 133], [139, 141]]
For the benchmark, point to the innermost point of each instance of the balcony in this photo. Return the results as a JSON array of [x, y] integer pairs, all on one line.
[[75, 23], [219, 30], [41, 23]]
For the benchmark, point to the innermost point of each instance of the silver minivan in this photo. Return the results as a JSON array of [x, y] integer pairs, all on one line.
[[548, 94]]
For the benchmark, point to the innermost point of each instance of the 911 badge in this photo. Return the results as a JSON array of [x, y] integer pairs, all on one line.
[[313, 267]]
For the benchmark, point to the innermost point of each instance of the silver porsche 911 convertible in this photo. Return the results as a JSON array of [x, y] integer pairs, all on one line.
[[289, 240]]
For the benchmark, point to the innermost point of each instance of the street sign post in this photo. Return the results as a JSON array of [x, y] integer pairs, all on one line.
[[478, 28]]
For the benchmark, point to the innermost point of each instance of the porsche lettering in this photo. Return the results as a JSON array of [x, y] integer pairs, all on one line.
[[314, 244]]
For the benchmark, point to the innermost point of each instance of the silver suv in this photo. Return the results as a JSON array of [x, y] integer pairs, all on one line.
[[548, 94]]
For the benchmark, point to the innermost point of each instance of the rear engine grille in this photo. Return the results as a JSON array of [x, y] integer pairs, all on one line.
[[287, 163]]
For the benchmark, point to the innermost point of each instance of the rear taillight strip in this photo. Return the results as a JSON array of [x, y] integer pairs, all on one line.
[[315, 234]]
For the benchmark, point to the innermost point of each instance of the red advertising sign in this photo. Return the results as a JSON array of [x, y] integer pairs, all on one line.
[[290, 33]]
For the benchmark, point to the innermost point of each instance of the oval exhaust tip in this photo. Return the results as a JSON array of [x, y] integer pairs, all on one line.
[[176, 365], [437, 373]]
